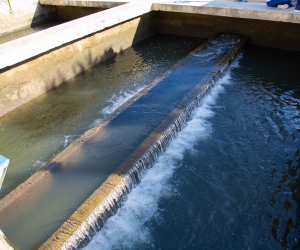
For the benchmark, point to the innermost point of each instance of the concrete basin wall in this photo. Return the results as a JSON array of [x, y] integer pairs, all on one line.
[[18, 14], [37, 63], [71, 12], [32, 65], [281, 35]]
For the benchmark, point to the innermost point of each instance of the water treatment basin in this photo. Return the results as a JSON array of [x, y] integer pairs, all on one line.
[[35, 64]]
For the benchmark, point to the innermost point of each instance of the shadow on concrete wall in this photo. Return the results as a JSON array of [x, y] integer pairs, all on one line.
[[43, 14]]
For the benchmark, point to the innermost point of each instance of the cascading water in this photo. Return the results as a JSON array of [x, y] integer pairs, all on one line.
[[168, 131], [116, 198], [229, 180], [95, 157], [142, 203]]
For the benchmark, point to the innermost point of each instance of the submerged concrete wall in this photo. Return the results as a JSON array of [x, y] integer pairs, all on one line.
[[24, 13]]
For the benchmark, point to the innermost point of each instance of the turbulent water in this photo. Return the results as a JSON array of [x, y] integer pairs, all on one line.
[[230, 179]]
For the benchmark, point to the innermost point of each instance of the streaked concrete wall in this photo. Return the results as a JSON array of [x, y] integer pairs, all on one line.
[[24, 13]]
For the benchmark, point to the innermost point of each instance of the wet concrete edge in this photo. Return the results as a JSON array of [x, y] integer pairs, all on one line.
[[72, 230]]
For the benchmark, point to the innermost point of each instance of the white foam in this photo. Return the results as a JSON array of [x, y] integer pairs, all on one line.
[[95, 122], [67, 137], [38, 164], [119, 99], [128, 229]]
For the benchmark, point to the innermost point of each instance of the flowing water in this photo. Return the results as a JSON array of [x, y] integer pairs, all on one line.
[[34, 133], [38, 213], [230, 179]]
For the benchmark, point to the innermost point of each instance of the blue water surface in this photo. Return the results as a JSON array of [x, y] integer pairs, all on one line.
[[231, 179]]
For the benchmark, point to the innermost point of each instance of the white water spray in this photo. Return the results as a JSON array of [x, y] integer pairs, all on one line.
[[128, 228]]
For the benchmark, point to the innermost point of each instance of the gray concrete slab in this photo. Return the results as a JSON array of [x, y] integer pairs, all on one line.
[[27, 47], [84, 3], [225, 8], [253, 9]]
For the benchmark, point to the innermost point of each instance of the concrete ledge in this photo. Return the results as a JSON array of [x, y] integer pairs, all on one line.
[[30, 46], [83, 3], [35, 44], [253, 9], [244, 10]]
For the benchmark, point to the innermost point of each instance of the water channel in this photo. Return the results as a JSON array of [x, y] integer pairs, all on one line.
[[36, 132], [230, 180]]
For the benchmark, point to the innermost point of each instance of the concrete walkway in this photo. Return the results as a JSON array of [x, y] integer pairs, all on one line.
[[253, 9], [35, 44], [27, 47]]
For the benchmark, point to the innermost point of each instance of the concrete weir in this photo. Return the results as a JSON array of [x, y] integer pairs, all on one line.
[[92, 214]]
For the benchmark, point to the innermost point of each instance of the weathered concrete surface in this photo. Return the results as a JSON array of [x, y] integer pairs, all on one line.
[[266, 33], [31, 65], [4, 245], [253, 9], [27, 47], [96, 205], [54, 63], [25, 13], [249, 10], [84, 3]]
